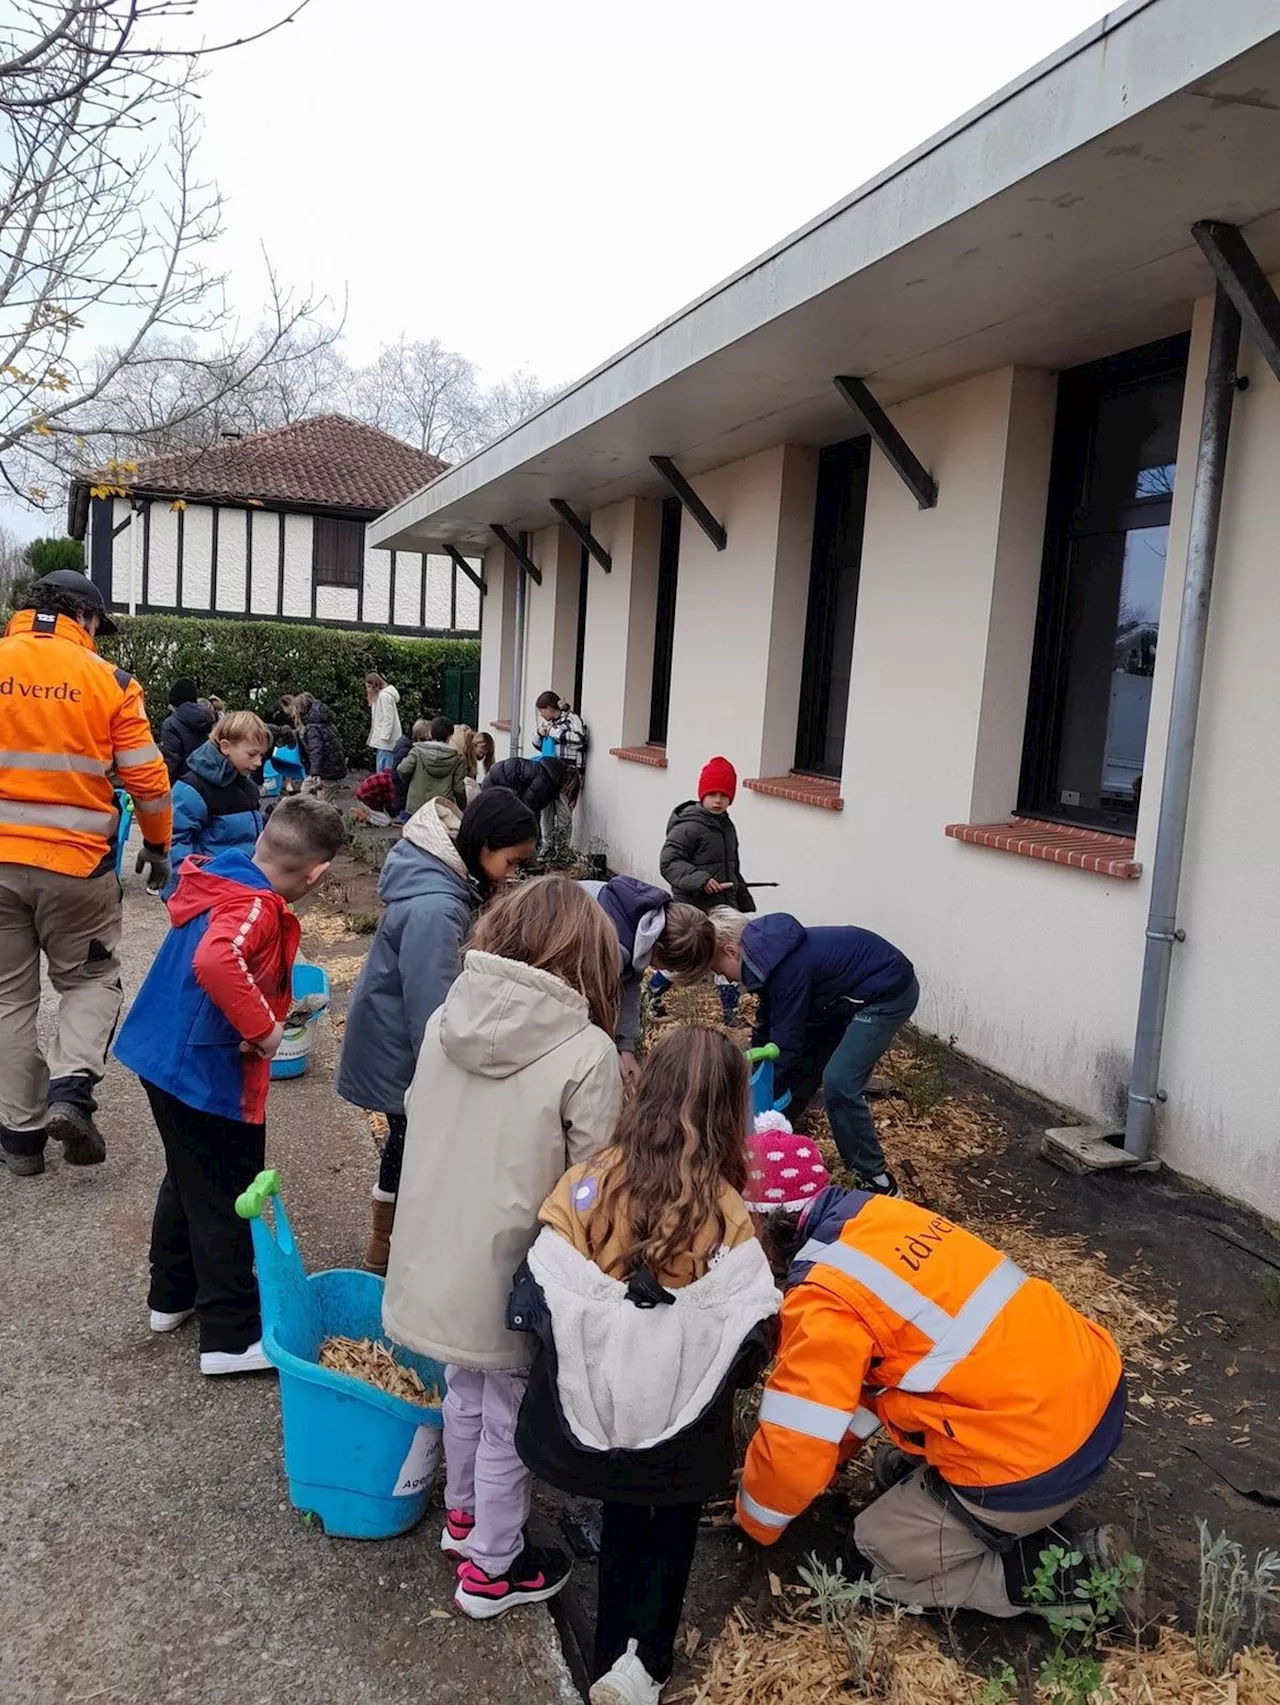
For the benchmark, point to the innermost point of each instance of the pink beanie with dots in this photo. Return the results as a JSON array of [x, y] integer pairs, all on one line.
[[783, 1170]]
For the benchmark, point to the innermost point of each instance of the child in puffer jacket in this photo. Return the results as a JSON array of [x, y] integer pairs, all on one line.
[[216, 800], [652, 1303]]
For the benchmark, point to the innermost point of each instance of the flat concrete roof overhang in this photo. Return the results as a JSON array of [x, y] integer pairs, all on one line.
[[1049, 226]]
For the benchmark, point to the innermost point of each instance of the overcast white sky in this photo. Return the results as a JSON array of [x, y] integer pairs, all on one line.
[[537, 184]]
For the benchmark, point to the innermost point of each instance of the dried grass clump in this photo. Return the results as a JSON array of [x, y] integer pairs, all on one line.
[[373, 1362]]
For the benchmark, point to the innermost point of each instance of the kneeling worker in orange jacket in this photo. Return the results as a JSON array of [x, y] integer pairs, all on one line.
[[71, 724], [1004, 1404]]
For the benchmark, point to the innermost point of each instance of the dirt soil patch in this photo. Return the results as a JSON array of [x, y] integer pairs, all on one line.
[[1181, 1278]]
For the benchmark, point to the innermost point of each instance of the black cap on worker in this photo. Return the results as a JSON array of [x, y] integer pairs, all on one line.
[[82, 589]]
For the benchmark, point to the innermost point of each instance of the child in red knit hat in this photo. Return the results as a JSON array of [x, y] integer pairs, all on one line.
[[699, 858]]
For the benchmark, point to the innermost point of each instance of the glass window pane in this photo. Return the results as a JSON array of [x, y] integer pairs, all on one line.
[[1113, 624], [1135, 444]]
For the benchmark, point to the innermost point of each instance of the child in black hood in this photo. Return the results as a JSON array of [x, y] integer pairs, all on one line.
[[186, 727]]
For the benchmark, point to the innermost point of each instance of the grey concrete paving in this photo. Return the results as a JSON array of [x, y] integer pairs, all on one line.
[[148, 1551]]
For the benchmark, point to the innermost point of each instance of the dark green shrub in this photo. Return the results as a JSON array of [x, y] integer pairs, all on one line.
[[250, 664]]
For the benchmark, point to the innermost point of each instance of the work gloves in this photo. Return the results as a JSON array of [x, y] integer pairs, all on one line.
[[155, 861]]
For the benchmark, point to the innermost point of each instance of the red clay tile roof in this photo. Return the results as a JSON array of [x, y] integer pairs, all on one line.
[[327, 460]]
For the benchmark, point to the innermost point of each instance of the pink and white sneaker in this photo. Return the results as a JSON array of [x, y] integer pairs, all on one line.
[[535, 1576], [455, 1533]]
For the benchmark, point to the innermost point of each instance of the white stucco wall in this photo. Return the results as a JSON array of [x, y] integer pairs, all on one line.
[[297, 565], [1033, 968]]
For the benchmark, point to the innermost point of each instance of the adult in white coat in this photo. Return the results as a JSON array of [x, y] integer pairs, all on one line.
[[384, 719]]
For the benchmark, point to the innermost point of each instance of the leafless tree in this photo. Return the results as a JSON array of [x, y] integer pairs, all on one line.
[[105, 230], [13, 562]]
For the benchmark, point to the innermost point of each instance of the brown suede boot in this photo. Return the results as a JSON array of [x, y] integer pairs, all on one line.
[[378, 1252]]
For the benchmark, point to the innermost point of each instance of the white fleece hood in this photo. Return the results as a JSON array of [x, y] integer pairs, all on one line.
[[631, 1377]]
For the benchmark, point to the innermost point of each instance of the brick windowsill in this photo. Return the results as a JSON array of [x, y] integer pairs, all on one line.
[[822, 791], [1055, 843], [502, 727], [654, 756]]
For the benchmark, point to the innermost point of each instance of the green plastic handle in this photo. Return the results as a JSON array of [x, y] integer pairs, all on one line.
[[251, 1202], [770, 1051]]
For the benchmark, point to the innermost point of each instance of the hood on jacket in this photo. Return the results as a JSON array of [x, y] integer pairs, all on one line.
[[437, 757], [694, 811], [211, 766], [193, 716], [393, 693], [317, 711], [766, 943], [435, 829], [501, 1015], [630, 1377], [424, 862], [207, 882], [638, 912]]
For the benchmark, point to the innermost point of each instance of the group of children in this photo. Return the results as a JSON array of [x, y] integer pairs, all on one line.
[[592, 1243]]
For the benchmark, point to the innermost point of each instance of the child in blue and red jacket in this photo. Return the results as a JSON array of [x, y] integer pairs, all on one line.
[[832, 999], [201, 1035]]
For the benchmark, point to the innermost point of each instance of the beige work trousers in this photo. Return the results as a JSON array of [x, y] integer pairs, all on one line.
[[922, 1553], [75, 922]]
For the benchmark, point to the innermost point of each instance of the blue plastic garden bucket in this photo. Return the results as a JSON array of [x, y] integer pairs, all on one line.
[[357, 1458], [762, 1100], [291, 1056]]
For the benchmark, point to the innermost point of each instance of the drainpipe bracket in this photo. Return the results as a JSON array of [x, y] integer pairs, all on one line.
[[1081, 1149]]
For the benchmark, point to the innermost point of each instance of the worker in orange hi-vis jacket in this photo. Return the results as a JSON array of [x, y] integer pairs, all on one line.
[[998, 1403], [71, 725]]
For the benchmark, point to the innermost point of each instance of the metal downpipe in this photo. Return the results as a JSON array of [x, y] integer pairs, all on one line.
[[517, 666], [1188, 672]]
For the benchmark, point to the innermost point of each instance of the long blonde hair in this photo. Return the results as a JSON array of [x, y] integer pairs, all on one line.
[[463, 741], [553, 925], [681, 1139]]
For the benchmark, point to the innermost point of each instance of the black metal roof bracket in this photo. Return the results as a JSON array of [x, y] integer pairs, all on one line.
[[908, 467], [1236, 268], [689, 499], [578, 527], [518, 552], [460, 562]]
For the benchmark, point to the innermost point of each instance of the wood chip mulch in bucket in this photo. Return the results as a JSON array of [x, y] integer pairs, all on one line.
[[372, 1361]]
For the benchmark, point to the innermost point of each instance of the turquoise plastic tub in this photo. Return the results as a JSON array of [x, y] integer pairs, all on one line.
[[292, 1054], [762, 1099], [357, 1458], [124, 805]]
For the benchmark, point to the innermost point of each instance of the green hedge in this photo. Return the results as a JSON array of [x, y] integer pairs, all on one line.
[[250, 664]]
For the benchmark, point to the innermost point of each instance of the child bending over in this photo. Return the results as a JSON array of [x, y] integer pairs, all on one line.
[[652, 1303], [516, 1081], [201, 1035]]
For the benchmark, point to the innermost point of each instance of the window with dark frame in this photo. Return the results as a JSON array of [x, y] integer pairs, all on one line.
[[664, 627], [839, 513], [337, 551], [1110, 501]]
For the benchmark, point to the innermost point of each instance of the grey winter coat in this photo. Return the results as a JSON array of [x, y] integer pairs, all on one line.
[[414, 958], [699, 845]]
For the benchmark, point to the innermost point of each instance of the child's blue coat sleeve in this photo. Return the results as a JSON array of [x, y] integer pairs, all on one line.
[[190, 818], [788, 992], [430, 957]]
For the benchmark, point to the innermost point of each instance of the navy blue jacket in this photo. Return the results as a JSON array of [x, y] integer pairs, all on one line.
[[804, 976], [638, 912], [186, 727], [215, 808], [413, 961]]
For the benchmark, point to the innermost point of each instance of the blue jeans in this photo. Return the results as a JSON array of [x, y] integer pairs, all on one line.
[[844, 1079], [384, 761]]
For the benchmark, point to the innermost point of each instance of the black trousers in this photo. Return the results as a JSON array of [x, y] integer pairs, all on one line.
[[201, 1252], [645, 1557], [392, 1158]]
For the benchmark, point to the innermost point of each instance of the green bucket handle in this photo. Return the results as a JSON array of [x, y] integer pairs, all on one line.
[[770, 1051], [251, 1202]]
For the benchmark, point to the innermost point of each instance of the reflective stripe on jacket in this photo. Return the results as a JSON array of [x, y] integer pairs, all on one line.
[[896, 1318], [70, 722]]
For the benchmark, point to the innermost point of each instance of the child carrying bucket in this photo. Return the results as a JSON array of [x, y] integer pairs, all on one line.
[[517, 1079], [652, 1303]]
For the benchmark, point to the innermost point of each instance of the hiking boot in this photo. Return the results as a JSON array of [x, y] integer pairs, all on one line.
[[627, 1683], [537, 1574], [24, 1165], [378, 1250], [251, 1360], [882, 1184], [1100, 1549], [165, 1320], [73, 1127], [890, 1465], [1107, 1547], [458, 1525]]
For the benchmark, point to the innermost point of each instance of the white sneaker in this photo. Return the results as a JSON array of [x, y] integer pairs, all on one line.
[[162, 1322], [251, 1360], [627, 1683]]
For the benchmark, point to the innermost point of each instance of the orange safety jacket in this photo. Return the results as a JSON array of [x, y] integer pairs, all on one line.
[[896, 1319], [70, 722]]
